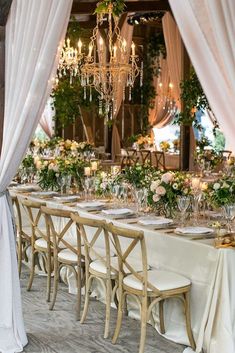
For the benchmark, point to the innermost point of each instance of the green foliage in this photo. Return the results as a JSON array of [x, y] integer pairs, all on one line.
[[118, 7], [219, 143], [68, 97], [140, 176], [147, 93], [194, 99]]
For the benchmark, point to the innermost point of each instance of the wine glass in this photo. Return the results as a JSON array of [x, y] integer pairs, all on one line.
[[87, 185], [195, 206], [229, 214], [139, 198], [183, 203]]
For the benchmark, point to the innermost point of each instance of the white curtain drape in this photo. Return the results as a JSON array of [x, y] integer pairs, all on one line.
[[47, 119], [159, 116], [208, 30], [33, 32]]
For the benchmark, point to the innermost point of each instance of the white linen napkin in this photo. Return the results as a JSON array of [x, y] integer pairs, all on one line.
[[155, 221], [91, 204], [118, 211]]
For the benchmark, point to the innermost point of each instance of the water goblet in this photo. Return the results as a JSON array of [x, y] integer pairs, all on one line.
[[229, 214], [183, 203], [139, 197]]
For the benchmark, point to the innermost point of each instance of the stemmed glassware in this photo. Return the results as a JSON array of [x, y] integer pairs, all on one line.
[[88, 185], [183, 203], [229, 213], [64, 182], [139, 199]]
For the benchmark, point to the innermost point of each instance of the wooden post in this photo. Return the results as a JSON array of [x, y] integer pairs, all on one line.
[[2, 81], [185, 129]]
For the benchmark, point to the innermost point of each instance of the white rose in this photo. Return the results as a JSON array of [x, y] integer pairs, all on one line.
[[154, 185], [156, 198], [216, 186], [160, 190], [167, 177]]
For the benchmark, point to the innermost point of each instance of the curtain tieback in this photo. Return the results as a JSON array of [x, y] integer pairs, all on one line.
[[9, 201]]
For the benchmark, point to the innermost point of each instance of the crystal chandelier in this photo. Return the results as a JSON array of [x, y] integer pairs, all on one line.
[[165, 97], [110, 68], [70, 60]]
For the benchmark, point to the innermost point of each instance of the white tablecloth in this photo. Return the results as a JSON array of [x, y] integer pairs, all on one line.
[[213, 287]]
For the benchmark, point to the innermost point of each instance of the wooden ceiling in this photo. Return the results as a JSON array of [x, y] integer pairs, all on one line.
[[88, 7]]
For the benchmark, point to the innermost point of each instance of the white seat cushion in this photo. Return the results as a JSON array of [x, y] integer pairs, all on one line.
[[68, 255], [162, 280], [40, 242], [99, 266]]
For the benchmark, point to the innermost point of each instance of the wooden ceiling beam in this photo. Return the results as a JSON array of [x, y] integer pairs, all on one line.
[[5, 6], [131, 6]]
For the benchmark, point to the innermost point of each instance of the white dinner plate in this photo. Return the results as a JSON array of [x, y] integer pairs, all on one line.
[[155, 221], [194, 230], [118, 212]]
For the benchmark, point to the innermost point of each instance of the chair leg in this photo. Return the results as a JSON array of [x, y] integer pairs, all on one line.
[[78, 308], [108, 307], [48, 278], [188, 321], [19, 254], [87, 297], [119, 316], [143, 324], [161, 316], [55, 283], [32, 270]]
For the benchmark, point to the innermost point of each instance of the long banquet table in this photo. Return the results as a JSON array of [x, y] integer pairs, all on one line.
[[211, 271]]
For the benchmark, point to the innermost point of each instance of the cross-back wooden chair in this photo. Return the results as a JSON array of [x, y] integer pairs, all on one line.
[[158, 160], [66, 250], [145, 157], [149, 287], [225, 154], [38, 238], [23, 233], [98, 262], [129, 161], [132, 152]]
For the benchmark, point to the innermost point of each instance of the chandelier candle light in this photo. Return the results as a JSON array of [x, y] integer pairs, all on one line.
[[70, 60], [110, 68]]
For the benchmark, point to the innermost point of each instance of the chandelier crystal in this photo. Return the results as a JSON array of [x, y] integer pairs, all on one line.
[[70, 60], [110, 68]]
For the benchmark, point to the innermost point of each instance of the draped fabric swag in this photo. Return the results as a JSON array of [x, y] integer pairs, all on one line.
[[33, 32], [208, 30], [174, 49], [158, 115], [46, 122]]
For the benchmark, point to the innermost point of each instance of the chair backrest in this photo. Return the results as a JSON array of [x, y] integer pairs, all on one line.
[[145, 156], [225, 154], [129, 161], [95, 238], [158, 160], [58, 226], [17, 213], [131, 152], [126, 242], [34, 214]]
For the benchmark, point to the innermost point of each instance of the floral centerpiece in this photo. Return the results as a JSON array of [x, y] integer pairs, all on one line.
[[208, 159], [164, 191], [165, 146], [51, 171], [140, 176], [221, 192], [144, 142]]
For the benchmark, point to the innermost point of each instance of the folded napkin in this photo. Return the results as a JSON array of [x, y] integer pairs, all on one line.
[[155, 221], [194, 230], [66, 198], [92, 204], [118, 211], [44, 193]]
